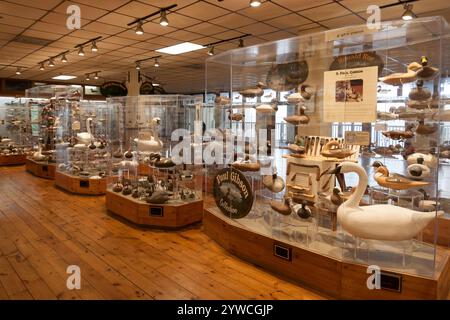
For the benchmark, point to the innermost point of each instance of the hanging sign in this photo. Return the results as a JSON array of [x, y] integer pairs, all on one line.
[[358, 60], [287, 76], [113, 89], [146, 88], [350, 95], [232, 193]]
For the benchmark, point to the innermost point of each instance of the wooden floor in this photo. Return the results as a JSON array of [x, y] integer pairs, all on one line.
[[43, 230]]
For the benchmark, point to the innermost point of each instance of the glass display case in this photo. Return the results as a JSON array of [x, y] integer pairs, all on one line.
[[327, 154], [148, 185], [45, 104], [82, 146], [14, 131]]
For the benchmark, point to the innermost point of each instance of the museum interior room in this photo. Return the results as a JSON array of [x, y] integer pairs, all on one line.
[[224, 150]]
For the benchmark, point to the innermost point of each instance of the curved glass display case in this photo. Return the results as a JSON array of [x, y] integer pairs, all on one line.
[[15, 127], [147, 186], [331, 145]]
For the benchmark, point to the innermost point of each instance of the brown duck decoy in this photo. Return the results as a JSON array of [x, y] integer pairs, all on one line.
[[333, 149], [419, 93], [246, 166], [426, 72], [253, 92], [235, 116], [395, 181], [298, 119], [398, 135], [426, 129], [222, 101], [297, 151], [117, 187], [397, 79], [281, 207], [158, 197], [336, 197]]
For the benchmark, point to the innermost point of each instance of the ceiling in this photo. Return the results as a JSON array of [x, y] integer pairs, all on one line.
[[198, 21]]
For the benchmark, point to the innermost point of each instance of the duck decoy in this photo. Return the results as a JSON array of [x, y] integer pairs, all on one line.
[[333, 149], [419, 93], [297, 151], [397, 79], [135, 193], [273, 182], [154, 143], [235, 116], [418, 170], [441, 115], [128, 154], [158, 197], [117, 154], [336, 197], [386, 151], [301, 210], [377, 222], [298, 119], [254, 92], [426, 72], [117, 187], [268, 108], [127, 190], [428, 159], [394, 181], [246, 165], [426, 129], [381, 115], [222, 101], [92, 146], [283, 207], [398, 134]]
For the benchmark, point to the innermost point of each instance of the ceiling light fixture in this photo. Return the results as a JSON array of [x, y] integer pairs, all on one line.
[[408, 14], [164, 22], [18, 70], [139, 30], [87, 77], [181, 48], [241, 43], [96, 76], [255, 3], [41, 67], [211, 51], [138, 65], [64, 77], [63, 58], [81, 51], [51, 63], [94, 47], [156, 64]]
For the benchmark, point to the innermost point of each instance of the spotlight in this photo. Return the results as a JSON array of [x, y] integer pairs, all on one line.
[[94, 47], [156, 64], [138, 65], [241, 43], [81, 51], [164, 22], [51, 63], [41, 67], [408, 14], [63, 59], [96, 76], [87, 77], [139, 29], [255, 3], [211, 51], [18, 70]]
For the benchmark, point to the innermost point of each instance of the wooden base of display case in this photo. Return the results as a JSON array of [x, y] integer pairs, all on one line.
[[443, 231], [340, 279], [80, 185], [6, 160], [42, 170], [154, 215]]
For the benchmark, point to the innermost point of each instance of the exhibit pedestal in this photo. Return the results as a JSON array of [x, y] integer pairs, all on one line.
[[154, 215], [10, 160], [80, 185], [41, 169], [443, 232], [338, 278]]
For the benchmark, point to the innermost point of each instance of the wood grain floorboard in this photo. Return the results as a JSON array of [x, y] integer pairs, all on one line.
[[44, 229]]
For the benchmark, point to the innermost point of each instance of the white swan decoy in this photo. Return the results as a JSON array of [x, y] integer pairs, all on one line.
[[154, 144], [86, 137], [378, 222]]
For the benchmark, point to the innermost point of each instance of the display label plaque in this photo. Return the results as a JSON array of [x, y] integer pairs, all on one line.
[[390, 281], [360, 138], [156, 211], [282, 252], [232, 193]]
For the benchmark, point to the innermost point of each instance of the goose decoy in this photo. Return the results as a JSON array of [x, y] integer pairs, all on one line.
[[426, 72], [377, 222], [273, 182], [253, 92], [86, 137], [283, 208], [333, 149], [301, 210], [397, 79], [418, 171], [394, 181], [426, 129], [298, 119], [419, 93]]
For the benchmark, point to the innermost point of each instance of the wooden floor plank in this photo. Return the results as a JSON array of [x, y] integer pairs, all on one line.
[[44, 229]]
